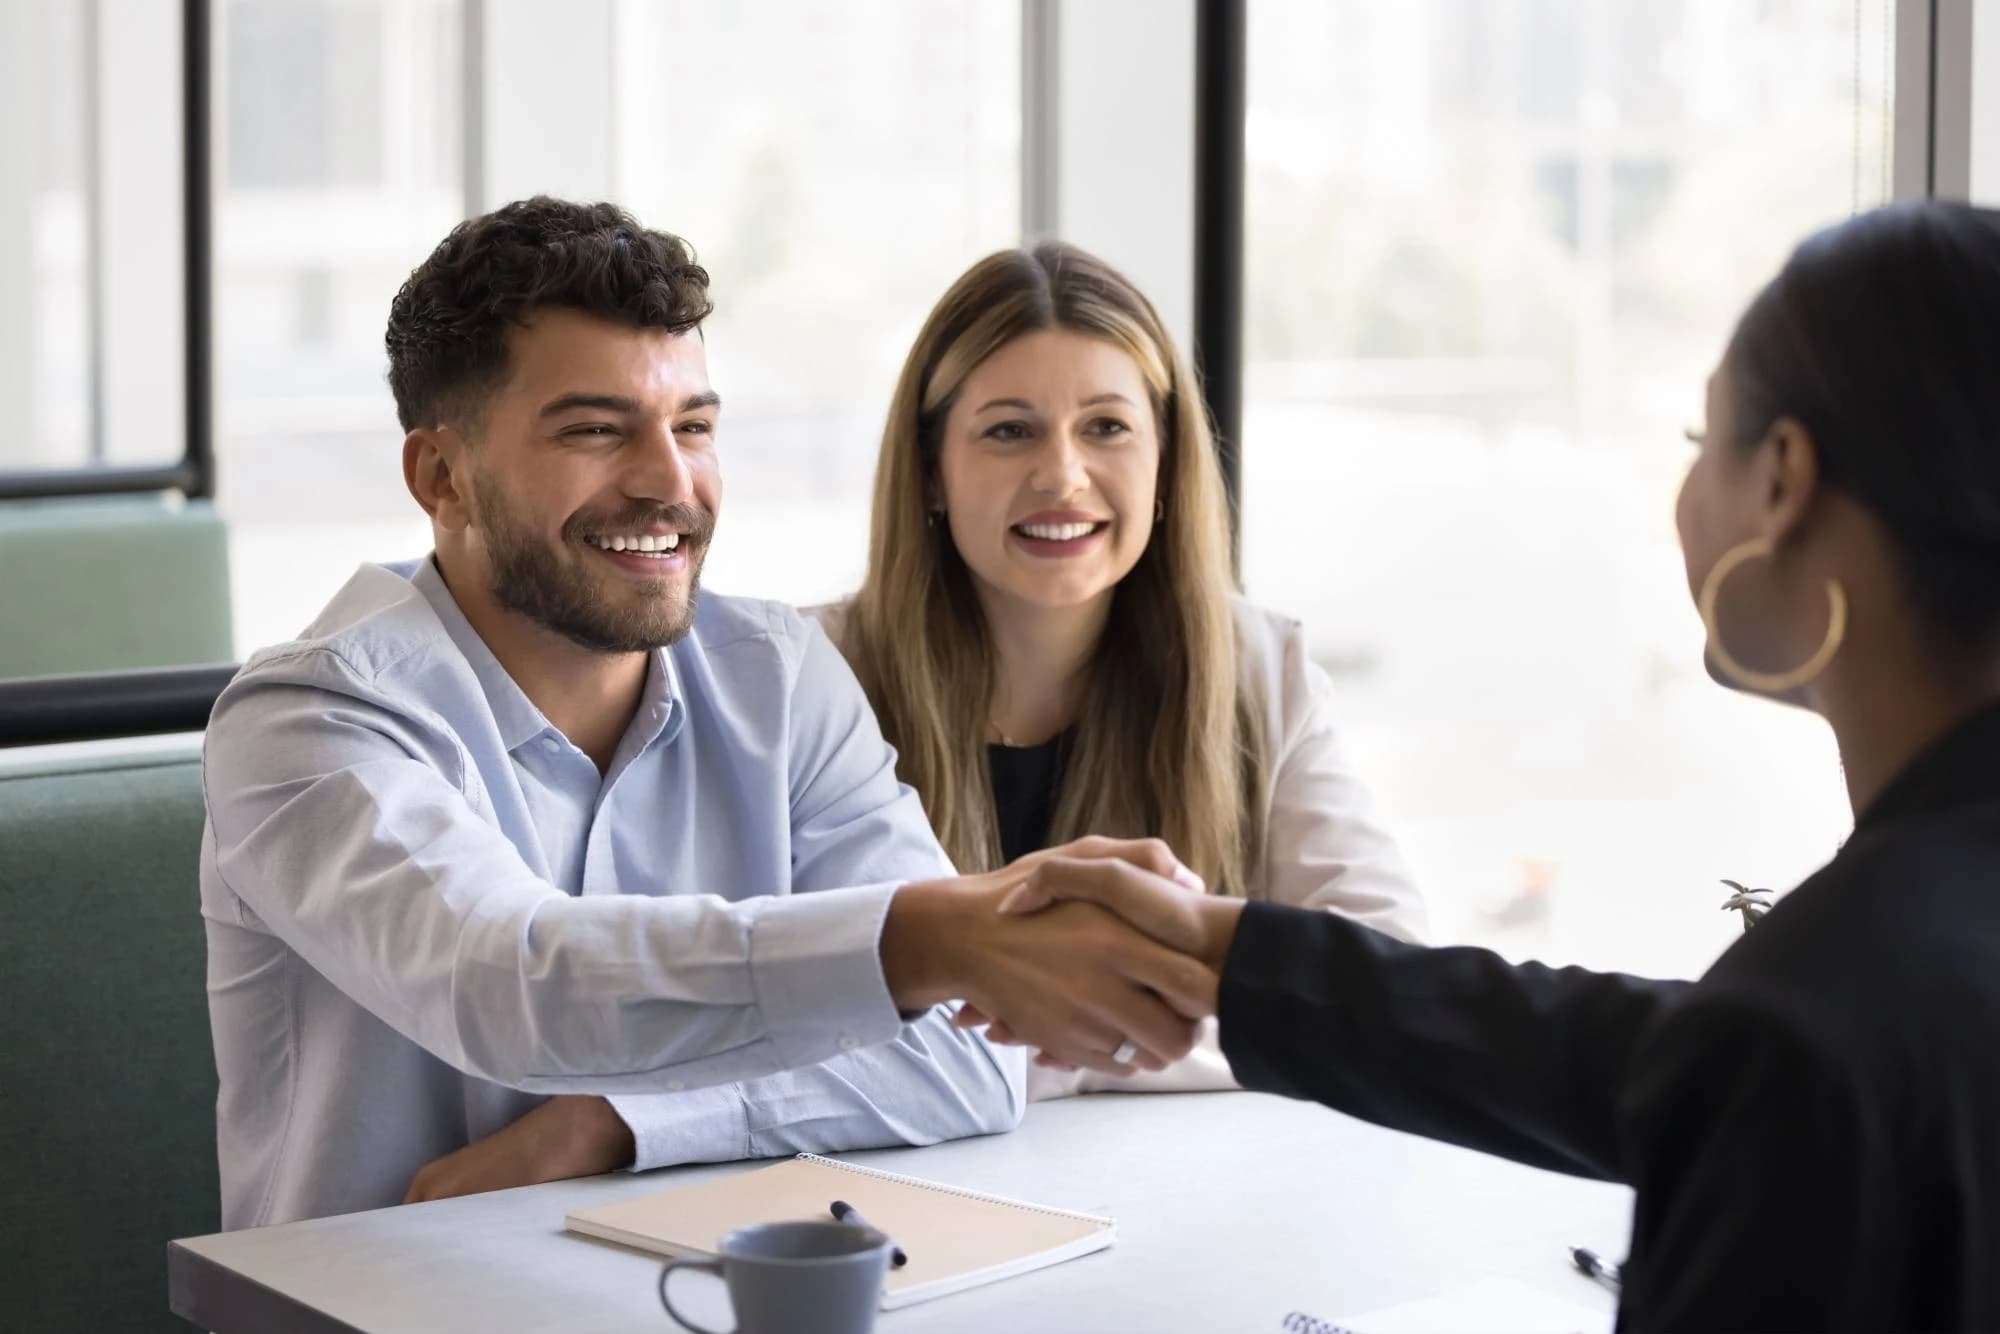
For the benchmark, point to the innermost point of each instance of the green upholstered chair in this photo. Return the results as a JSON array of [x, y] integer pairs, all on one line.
[[106, 583], [107, 1083]]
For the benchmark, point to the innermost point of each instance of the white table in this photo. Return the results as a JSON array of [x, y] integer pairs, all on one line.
[[1232, 1209]]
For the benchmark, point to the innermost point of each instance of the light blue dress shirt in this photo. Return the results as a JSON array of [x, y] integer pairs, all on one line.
[[426, 909]]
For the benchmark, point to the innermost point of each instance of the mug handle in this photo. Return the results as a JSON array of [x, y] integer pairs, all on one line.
[[666, 1271]]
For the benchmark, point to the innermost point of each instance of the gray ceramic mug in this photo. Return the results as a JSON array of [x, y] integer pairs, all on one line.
[[786, 1278]]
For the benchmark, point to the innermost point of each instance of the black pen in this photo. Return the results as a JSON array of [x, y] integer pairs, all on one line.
[[1591, 1266], [847, 1213]]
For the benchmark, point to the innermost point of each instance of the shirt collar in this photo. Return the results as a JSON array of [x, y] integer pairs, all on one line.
[[1959, 768], [518, 719], [660, 713]]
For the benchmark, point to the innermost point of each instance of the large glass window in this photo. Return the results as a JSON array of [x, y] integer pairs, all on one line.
[[47, 336], [339, 129], [1494, 250], [848, 162], [835, 165], [90, 234]]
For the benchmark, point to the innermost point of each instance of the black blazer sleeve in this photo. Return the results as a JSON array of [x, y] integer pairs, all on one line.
[[1455, 1044]]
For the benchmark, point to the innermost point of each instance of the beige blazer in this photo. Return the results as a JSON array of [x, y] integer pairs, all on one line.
[[1322, 845]]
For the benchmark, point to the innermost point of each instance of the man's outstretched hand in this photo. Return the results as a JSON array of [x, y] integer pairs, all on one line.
[[1070, 978], [1162, 907]]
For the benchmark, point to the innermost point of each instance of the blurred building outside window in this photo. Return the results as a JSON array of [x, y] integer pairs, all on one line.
[[1494, 250], [834, 165]]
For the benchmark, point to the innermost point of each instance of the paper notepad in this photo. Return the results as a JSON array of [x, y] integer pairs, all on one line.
[[956, 1239]]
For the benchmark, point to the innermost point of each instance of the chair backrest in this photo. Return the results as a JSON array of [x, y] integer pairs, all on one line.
[[106, 583], [107, 1092]]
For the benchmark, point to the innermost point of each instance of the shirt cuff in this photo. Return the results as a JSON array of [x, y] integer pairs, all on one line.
[[816, 967], [709, 1125]]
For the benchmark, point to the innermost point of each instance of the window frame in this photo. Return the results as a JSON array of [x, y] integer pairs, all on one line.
[[193, 475], [1936, 64], [1221, 101]]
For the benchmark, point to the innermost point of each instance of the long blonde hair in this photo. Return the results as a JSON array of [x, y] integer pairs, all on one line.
[[1161, 698]]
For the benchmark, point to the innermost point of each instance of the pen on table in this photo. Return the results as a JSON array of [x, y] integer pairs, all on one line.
[[1591, 1265], [847, 1213]]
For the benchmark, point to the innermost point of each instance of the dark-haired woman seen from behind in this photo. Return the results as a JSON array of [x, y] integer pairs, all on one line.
[[1813, 1128]]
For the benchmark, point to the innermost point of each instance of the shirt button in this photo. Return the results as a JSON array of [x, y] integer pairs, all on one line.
[[849, 1044], [676, 1086], [551, 745]]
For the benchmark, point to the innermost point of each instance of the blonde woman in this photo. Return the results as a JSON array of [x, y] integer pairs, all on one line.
[[1047, 627]]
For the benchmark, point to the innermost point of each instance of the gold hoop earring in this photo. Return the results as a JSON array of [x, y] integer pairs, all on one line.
[[1769, 683]]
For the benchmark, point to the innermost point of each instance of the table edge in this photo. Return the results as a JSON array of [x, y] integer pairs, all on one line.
[[224, 1301]]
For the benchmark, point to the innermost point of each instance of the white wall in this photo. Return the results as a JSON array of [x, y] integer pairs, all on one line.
[[1125, 144], [548, 84], [1985, 182], [20, 108], [140, 321]]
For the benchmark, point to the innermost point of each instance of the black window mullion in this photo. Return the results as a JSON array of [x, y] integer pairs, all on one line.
[[1221, 79]]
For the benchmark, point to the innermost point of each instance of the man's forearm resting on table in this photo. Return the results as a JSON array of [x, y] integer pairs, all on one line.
[[931, 1083]]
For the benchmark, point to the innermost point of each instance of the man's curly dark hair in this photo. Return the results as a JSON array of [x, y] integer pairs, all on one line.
[[448, 325]]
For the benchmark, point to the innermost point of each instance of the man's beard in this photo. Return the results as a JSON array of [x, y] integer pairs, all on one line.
[[552, 589]]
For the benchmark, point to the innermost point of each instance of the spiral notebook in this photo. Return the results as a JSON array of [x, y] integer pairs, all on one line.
[[956, 1239], [1492, 1305]]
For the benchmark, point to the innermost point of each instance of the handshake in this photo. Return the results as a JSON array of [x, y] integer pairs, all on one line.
[[1103, 953]]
